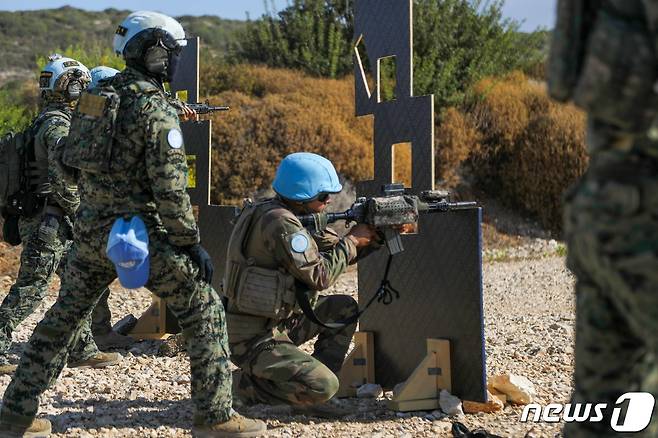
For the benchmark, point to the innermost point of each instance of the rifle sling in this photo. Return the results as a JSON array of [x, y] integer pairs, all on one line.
[[383, 294]]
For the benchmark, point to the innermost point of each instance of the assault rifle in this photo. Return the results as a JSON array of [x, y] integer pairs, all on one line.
[[206, 108], [389, 212]]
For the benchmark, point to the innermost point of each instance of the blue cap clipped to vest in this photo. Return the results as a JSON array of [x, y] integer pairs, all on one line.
[[303, 176], [128, 248]]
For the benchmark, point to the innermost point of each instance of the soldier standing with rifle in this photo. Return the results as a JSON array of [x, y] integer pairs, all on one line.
[[604, 59], [132, 166]]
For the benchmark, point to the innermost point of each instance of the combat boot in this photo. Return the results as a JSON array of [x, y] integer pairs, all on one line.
[[236, 426], [113, 339], [40, 428], [99, 360], [7, 369]]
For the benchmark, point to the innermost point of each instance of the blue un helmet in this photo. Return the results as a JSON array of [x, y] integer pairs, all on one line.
[[304, 176], [99, 73], [63, 78]]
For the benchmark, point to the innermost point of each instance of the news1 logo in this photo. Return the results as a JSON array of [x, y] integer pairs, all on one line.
[[638, 412]]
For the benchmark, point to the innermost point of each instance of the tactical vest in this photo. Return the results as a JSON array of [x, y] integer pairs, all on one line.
[[91, 139], [250, 289], [20, 173]]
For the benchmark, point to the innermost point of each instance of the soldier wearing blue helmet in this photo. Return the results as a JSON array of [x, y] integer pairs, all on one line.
[[46, 218], [99, 73], [271, 257]]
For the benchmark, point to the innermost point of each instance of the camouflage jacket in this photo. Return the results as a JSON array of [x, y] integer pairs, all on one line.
[[53, 127], [317, 267], [269, 243], [149, 168]]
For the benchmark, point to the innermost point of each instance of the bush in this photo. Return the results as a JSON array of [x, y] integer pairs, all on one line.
[[310, 35], [456, 43], [18, 105], [91, 57], [531, 148], [457, 138], [275, 112]]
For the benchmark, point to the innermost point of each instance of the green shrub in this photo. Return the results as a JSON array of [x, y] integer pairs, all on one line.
[[18, 105], [456, 43], [91, 57]]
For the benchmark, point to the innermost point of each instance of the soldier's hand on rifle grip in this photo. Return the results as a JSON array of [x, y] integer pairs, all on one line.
[[408, 229], [187, 114], [364, 235]]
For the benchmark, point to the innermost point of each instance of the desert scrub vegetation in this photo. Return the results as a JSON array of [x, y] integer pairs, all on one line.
[[275, 112], [529, 148], [509, 138]]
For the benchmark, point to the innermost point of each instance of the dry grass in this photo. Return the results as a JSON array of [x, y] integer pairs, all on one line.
[[520, 146]]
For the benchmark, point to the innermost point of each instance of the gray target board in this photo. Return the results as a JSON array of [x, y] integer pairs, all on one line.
[[439, 276]]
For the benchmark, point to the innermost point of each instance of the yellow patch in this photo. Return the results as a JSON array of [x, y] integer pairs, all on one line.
[[191, 171], [92, 105]]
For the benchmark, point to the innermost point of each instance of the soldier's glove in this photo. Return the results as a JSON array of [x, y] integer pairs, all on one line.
[[201, 257], [10, 232]]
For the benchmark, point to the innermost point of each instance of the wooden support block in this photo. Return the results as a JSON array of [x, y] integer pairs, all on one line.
[[421, 390], [429, 404], [359, 367], [154, 323]]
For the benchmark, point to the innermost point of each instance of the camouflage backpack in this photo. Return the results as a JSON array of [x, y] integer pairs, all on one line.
[[19, 172], [90, 140], [12, 147]]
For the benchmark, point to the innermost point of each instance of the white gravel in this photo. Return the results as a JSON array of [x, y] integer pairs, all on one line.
[[529, 316]]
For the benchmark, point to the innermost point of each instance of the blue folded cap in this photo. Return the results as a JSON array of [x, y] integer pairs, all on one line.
[[128, 248]]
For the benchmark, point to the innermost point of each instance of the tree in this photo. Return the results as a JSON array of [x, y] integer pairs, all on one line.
[[310, 35], [459, 42], [456, 43]]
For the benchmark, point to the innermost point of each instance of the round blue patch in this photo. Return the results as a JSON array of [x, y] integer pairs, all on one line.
[[299, 243]]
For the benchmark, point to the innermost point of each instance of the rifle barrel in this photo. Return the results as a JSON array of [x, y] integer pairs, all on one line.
[[450, 206]]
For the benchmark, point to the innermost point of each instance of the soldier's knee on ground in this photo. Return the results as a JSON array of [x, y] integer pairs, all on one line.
[[346, 303], [322, 385]]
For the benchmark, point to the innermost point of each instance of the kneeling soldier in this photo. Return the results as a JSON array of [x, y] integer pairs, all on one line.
[[271, 259]]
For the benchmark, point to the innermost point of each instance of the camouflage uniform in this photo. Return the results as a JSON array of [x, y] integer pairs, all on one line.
[[43, 251], [274, 370], [610, 215], [148, 178]]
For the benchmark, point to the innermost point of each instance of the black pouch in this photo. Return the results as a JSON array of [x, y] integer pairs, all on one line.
[[10, 232]]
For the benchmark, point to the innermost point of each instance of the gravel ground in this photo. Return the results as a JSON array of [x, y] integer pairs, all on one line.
[[529, 316]]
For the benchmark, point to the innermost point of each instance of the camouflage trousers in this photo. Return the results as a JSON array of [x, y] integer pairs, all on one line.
[[101, 317], [41, 258], [277, 372], [612, 235], [173, 276]]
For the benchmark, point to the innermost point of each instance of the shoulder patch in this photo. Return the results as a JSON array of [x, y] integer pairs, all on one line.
[[299, 242], [175, 138]]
